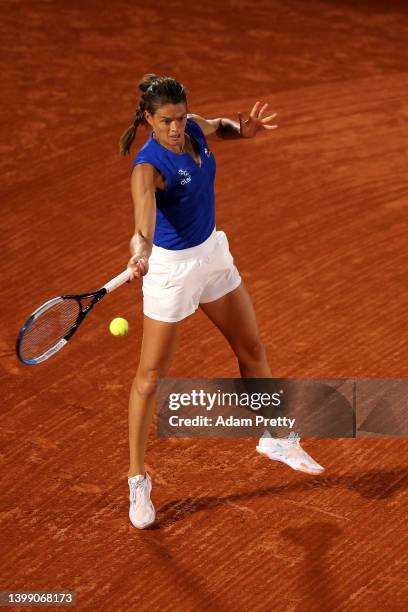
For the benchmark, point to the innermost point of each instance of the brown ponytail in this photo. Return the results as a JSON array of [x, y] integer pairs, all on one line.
[[155, 91]]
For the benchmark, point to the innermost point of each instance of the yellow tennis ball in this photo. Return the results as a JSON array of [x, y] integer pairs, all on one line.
[[118, 327]]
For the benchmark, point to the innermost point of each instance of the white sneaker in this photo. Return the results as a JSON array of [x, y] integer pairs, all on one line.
[[141, 510], [289, 451]]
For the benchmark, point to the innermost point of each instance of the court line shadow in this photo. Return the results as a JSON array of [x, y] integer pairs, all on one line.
[[377, 485]]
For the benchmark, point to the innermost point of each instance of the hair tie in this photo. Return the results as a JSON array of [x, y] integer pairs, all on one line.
[[152, 84]]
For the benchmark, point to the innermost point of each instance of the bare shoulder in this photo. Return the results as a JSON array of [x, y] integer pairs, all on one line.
[[147, 177], [209, 126]]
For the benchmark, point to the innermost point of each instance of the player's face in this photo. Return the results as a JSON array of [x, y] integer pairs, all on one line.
[[168, 124]]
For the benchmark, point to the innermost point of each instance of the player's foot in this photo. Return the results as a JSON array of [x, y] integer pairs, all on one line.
[[141, 510], [289, 451]]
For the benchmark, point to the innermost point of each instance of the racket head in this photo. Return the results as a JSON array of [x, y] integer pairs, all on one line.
[[48, 329]]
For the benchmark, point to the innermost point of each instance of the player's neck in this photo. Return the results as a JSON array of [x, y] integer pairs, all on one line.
[[175, 149]]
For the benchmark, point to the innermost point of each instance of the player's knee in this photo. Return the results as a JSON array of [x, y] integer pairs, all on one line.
[[147, 381], [252, 351]]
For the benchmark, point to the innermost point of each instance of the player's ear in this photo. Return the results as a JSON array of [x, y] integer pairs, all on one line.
[[148, 118]]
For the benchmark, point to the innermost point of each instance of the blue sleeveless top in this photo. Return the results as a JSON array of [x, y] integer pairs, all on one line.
[[185, 212]]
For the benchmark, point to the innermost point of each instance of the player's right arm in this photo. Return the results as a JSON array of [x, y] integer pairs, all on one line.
[[143, 186]]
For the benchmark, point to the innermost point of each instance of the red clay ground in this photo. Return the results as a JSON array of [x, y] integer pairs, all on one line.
[[316, 218]]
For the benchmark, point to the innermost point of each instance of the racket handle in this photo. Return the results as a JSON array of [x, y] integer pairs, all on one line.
[[116, 282]]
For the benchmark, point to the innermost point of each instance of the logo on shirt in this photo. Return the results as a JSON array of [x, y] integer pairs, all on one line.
[[207, 152], [186, 177]]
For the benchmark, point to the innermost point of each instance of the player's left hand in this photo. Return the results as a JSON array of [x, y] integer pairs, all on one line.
[[255, 121]]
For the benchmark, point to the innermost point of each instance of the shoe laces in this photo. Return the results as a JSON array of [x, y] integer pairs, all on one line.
[[294, 439], [291, 441], [137, 486], [289, 445]]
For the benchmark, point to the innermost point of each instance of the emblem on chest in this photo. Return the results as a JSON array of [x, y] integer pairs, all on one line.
[[186, 177]]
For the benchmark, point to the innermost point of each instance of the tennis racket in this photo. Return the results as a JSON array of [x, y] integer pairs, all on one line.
[[49, 328]]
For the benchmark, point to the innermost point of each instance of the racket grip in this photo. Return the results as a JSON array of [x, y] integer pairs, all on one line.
[[116, 282]]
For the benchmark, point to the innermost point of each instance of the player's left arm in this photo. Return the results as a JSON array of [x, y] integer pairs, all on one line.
[[224, 128], [209, 127]]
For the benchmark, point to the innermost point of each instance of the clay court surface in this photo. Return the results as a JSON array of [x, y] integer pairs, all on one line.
[[315, 213]]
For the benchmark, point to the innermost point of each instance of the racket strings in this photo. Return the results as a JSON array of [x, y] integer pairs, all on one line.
[[49, 328]]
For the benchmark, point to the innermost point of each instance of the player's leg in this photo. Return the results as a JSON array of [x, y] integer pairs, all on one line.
[[234, 315], [158, 347]]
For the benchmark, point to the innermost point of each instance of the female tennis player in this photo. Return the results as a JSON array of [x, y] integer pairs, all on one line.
[[185, 263]]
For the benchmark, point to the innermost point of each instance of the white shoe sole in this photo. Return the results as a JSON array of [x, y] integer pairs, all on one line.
[[281, 460]]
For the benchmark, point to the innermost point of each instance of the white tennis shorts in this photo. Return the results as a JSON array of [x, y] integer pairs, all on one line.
[[178, 281]]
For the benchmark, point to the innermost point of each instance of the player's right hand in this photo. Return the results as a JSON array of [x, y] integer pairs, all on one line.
[[138, 265]]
